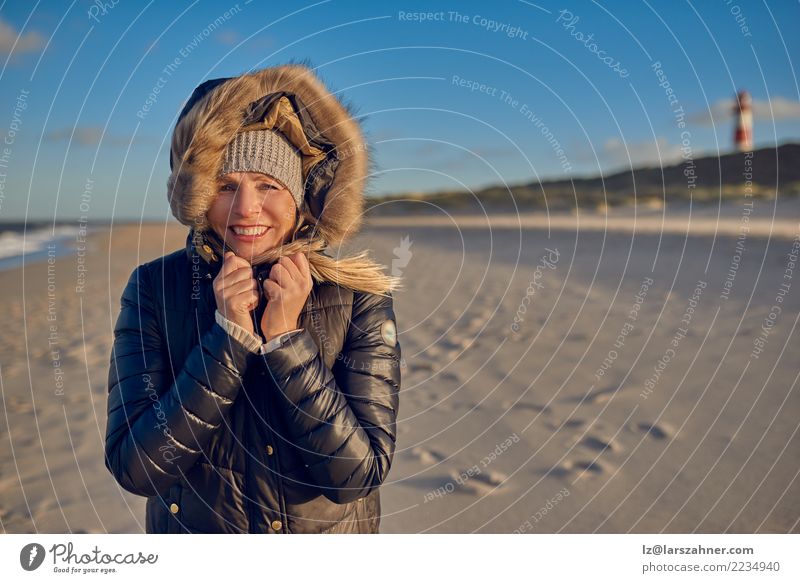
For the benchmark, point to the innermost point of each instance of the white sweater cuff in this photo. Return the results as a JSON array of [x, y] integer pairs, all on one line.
[[248, 339], [278, 340]]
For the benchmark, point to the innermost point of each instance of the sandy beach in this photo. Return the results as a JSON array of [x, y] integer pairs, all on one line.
[[583, 378]]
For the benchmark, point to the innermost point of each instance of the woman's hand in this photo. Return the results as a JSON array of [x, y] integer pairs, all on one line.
[[286, 289], [236, 291]]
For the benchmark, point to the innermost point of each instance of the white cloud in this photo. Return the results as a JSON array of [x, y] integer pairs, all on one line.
[[228, 37], [27, 43], [88, 136], [782, 108], [777, 108]]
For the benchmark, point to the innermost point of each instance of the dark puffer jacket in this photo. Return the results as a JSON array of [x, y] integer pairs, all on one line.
[[222, 440]]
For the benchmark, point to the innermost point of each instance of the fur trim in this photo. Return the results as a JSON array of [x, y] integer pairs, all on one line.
[[201, 135]]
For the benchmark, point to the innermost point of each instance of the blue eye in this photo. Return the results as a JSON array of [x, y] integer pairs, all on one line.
[[231, 187]]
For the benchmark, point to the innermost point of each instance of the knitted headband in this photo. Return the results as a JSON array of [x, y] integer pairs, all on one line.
[[267, 152]]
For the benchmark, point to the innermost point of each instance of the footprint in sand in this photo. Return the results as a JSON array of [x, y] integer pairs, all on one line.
[[523, 406], [475, 324], [656, 431], [450, 405], [489, 479], [425, 455], [450, 376], [592, 467], [566, 424], [10, 370], [458, 343], [19, 405], [579, 467], [433, 351], [482, 483], [597, 444], [598, 396], [24, 443], [421, 365], [453, 355], [520, 335]]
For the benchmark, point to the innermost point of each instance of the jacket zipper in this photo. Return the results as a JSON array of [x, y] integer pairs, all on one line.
[[260, 275], [248, 478], [278, 472]]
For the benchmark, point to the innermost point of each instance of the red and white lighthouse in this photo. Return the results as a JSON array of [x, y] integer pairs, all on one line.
[[743, 113]]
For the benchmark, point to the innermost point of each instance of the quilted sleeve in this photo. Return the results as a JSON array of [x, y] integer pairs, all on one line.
[[343, 421], [157, 428]]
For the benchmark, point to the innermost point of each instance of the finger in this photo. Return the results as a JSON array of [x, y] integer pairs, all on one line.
[[231, 294], [228, 263], [280, 275], [222, 284], [228, 267], [241, 274], [245, 302], [304, 266], [227, 294], [231, 262], [272, 290], [240, 287], [288, 262]]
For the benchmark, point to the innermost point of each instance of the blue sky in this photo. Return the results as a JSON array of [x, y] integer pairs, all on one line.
[[469, 95]]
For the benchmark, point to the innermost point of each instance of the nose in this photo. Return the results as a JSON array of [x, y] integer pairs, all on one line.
[[247, 202]]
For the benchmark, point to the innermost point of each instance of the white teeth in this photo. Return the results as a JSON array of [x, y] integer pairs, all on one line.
[[249, 230]]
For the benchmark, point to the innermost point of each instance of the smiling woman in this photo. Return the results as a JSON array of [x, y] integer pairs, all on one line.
[[254, 380]]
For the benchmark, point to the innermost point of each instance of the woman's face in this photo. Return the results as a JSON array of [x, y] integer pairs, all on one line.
[[252, 213]]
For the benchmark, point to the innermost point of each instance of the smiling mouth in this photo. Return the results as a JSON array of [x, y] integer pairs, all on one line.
[[249, 232]]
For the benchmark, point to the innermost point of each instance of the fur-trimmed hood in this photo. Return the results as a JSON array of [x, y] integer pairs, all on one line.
[[218, 108]]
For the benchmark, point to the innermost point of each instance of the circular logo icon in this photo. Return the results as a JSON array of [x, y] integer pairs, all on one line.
[[31, 556], [389, 332]]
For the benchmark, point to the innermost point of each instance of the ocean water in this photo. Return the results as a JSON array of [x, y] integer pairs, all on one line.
[[24, 243]]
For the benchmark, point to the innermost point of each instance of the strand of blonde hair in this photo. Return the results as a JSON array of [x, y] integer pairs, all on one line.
[[357, 272]]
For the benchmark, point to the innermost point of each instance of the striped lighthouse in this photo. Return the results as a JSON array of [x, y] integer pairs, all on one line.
[[743, 113]]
